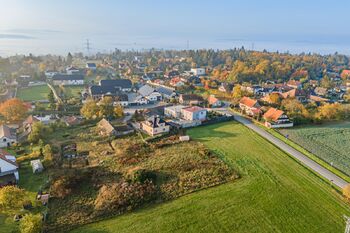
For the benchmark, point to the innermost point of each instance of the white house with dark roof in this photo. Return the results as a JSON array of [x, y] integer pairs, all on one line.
[[7, 136], [150, 93], [91, 66], [68, 79], [8, 169], [154, 125], [121, 84]]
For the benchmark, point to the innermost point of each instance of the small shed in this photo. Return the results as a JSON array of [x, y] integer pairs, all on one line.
[[37, 166], [185, 138]]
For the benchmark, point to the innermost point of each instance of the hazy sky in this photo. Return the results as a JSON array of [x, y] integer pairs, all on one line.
[[58, 26]]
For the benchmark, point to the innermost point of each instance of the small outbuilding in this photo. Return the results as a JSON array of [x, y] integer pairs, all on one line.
[[37, 166]]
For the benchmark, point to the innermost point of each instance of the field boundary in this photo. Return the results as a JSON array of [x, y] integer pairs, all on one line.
[[301, 149]]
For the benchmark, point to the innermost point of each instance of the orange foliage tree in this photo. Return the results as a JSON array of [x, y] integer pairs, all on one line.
[[13, 109]]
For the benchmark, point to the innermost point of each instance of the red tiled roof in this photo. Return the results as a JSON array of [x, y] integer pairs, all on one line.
[[273, 114], [248, 102], [212, 99]]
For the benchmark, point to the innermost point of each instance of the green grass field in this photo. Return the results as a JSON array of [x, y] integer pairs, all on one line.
[[72, 91], [274, 194], [33, 93], [330, 142]]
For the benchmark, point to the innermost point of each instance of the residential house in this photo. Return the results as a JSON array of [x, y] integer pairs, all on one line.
[[7, 136], [166, 92], [172, 74], [321, 91], [174, 111], [119, 97], [71, 120], [72, 70], [226, 87], [275, 118], [91, 66], [298, 94], [154, 125], [194, 80], [28, 123], [176, 82], [191, 99], [250, 106], [8, 169], [294, 84], [150, 93], [198, 71], [194, 113], [318, 99], [105, 128], [68, 79], [120, 84], [214, 102]]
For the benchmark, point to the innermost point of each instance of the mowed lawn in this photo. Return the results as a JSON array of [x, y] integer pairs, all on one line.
[[274, 194], [330, 142], [35, 93]]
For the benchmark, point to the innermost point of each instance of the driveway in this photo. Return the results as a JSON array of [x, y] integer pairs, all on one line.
[[331, 177]]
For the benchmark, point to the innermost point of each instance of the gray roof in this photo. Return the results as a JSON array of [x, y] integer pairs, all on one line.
[[165, 91], [6, 131], [146, 90], [108, 90], [120, 83], [68, 77]]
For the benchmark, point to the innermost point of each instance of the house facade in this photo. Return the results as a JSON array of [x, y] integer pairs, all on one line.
[[194, 113], [154, 125], [198, 71], [68, 79], [214, 102], [7, 136], [275, 118], [191, 99], [250, 106], [8, 169], [174, 111]]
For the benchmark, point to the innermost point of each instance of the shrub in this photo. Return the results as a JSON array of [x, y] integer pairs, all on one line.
[[33, 155], [31, 223], [12, 198], [141, 175], [122, 196]]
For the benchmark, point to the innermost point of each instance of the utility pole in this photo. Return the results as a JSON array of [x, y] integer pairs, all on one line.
[[347, 228], [88, 46]]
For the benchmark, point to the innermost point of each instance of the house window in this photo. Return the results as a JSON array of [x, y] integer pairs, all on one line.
[[4, 140]]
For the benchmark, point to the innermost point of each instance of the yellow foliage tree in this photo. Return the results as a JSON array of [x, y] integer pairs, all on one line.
[[13, 109]]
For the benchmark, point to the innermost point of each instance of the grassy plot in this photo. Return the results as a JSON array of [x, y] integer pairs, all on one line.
[[33, 93], [275, 194], [31, 183], [330, 142], [68, 92]]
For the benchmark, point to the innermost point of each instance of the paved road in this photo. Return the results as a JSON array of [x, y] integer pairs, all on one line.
[[336, 180]]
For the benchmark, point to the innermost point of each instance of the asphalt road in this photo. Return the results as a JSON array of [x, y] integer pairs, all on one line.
[[336, 180]]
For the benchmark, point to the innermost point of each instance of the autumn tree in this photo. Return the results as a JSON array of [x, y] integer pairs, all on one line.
[[11, 198], [106, 107], [31, 223], [39, 132], [90, 109], [51, 99], [118, 111], [275, 98], [330, 112], [48, 155], [13, 109]]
